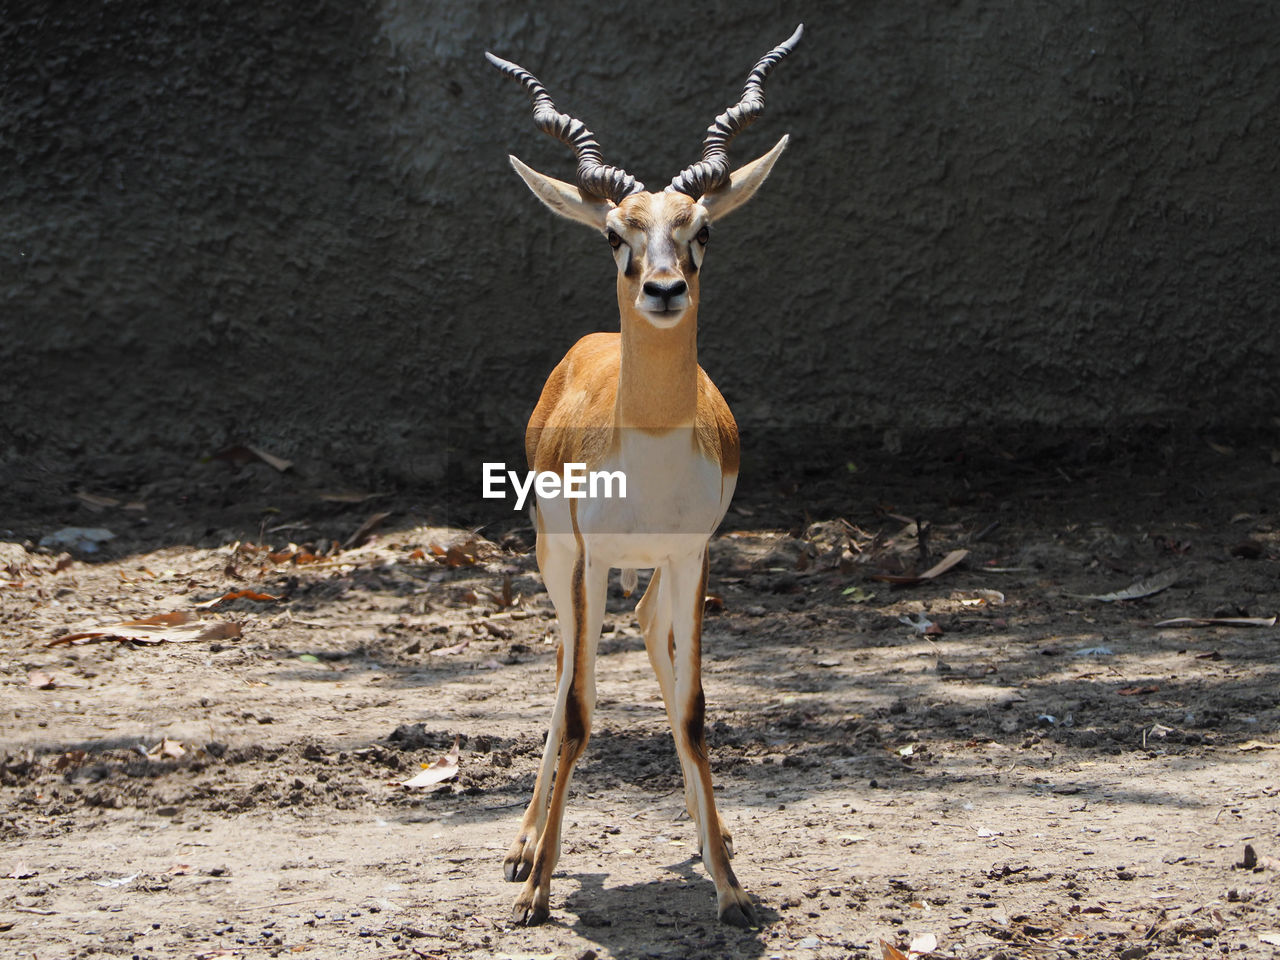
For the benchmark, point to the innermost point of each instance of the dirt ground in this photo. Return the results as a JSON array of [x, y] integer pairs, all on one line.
[[989, 757]]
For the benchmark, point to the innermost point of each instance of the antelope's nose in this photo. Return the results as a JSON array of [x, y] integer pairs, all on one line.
[[665, 292]]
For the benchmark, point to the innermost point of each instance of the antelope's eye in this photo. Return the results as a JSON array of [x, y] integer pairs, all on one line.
[[703, 236], [615, 241]]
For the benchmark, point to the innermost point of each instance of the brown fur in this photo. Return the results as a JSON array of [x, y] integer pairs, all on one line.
[[576, 415]]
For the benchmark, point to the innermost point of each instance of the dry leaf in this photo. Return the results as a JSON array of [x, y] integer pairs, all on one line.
[[294, 555], [1138, 691], [72, 758], [497, 630], [937, 570], [237, 595], [890, 952], [446, 651], [167, 748], [241, 454], [41, 680], [457, 556], [1136, 590], [366, 528], [446, 768], [349, 497], [162, 620], [1218, 622], [177, 627], [117, 881], [273, 461], [95, 502]]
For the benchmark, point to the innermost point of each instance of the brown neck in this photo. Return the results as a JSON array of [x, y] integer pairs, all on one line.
[[658, 374]]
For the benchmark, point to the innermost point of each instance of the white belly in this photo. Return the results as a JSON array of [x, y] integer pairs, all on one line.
[[675, 498]]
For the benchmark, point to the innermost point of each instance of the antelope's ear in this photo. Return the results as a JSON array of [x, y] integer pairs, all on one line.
[[563, 198], [743, 183]]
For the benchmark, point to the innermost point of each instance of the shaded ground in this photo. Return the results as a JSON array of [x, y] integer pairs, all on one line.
[[1035, 775]]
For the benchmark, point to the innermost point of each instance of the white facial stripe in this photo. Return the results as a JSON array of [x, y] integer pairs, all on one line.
[[661, 252]]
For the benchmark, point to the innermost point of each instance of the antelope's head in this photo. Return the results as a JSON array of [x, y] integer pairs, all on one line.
[[658, 239]]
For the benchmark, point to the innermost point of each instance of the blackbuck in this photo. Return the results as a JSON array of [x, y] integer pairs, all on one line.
[[636, 402]]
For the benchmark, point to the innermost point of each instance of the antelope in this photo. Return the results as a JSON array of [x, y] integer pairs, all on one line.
[[636, 401]]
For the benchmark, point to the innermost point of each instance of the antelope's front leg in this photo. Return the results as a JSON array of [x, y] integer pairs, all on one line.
[[519, 860], [688, 709], [654, 613], [556, 555], [579, 599]]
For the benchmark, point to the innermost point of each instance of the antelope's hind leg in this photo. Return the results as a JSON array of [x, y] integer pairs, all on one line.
[[578, 592]]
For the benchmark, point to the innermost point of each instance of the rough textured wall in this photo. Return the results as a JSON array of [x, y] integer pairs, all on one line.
[[295, 225]]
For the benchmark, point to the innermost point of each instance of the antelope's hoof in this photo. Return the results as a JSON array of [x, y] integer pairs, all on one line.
[[530, 909], [519, 861], [739, 912]]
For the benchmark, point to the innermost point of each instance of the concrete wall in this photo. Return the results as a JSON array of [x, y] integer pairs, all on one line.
[[294, 225]]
